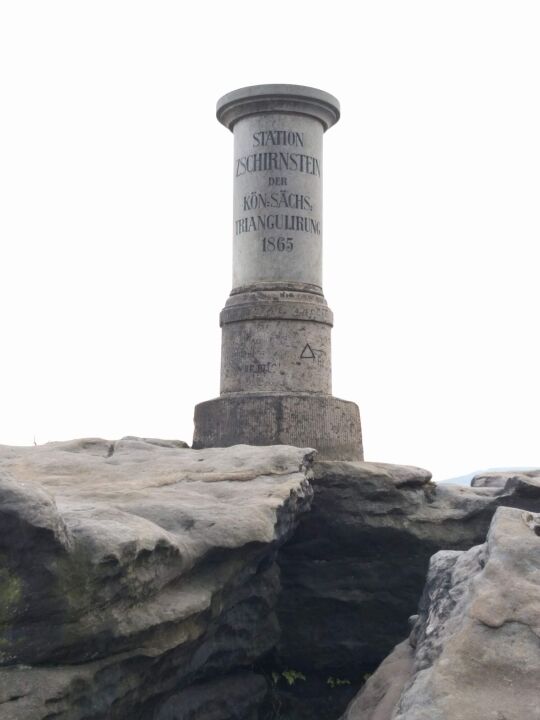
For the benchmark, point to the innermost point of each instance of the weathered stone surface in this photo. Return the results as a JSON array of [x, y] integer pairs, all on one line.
[[137, 573], [138, 580], [475, 646], [501, 479], [321, 421], [382, 691], [355, 569]]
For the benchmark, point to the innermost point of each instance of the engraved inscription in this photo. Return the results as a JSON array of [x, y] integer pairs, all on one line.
[[310, 353], [258, 368], [298, 223], [278, 137], [278, 209], [280, 244], [307, 352], [277, 200], [269, 161]]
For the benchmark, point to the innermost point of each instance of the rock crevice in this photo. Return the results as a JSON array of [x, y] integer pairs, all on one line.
[[474, 651]]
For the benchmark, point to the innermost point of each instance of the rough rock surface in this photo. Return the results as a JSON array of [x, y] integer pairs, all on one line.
[[137, 578], [474, 652], [382, 691], [501, 479], [355, 568]]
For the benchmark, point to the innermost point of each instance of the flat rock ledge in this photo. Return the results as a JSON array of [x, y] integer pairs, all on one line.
[[138, 577], [474, 650]]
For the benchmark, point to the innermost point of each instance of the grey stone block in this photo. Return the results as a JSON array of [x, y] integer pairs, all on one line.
[[324, 422]]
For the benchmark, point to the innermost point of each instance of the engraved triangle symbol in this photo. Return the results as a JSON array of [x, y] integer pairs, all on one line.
[[307, 352]]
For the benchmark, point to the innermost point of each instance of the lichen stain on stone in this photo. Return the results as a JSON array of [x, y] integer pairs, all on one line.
[[11, 591], [74, 581]]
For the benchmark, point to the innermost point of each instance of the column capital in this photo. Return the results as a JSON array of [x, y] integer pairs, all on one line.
[[296, 99]]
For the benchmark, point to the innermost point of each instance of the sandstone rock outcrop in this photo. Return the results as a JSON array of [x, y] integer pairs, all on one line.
[[506, 478], [138, 578], [354, 571], [474, 651]]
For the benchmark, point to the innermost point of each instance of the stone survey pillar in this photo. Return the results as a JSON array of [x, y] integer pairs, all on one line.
[[276, 379]]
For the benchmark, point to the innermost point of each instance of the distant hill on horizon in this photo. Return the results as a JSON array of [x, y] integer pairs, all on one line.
[[466, 479]]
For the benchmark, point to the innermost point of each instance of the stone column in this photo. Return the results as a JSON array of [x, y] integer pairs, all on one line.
[[276, 380]]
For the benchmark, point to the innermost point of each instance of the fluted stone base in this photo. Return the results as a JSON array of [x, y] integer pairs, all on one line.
[[328, 424]]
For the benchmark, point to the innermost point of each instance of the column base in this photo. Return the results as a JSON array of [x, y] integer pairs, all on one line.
[[328, 424]]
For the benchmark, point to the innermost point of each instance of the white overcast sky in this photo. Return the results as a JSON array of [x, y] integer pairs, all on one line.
[[116, 209]]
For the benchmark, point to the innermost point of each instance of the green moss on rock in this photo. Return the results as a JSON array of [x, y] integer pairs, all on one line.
[[10, 593]]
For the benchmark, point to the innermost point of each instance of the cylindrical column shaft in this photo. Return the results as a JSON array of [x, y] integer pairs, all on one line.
[[277, 226]]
